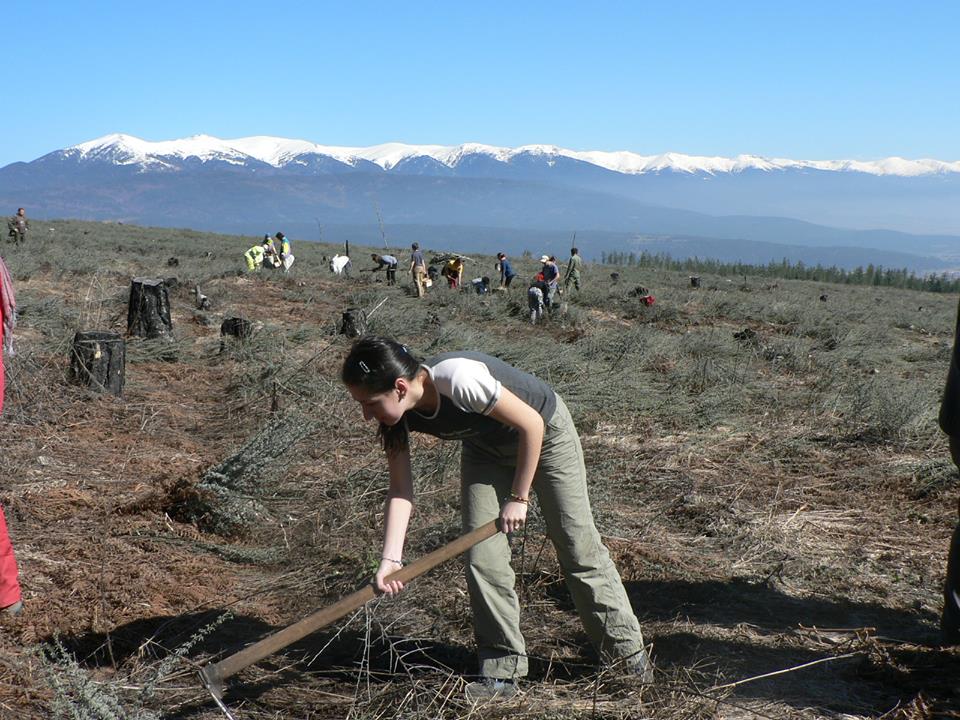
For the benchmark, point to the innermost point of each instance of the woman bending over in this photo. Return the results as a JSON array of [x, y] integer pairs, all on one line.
[[518, 438]]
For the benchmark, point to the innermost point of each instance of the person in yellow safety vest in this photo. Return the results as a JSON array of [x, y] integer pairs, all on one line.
[[254, 256]]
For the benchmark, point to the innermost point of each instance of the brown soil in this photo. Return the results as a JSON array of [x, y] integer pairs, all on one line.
[[92, 485]]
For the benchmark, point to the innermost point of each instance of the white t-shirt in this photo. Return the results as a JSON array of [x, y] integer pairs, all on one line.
[[338, 263], [468, 383]]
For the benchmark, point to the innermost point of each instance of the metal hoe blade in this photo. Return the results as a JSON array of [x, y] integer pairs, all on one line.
[[212, 681]]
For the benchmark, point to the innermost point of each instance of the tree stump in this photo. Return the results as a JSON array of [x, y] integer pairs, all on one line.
[[354, 322], [98, 360], [148, 311], [240, 328]]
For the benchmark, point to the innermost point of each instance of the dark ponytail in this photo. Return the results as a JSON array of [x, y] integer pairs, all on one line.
[[374, 364]]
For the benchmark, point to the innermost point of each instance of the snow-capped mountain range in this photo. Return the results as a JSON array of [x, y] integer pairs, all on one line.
[[904, 213], [281, 152]]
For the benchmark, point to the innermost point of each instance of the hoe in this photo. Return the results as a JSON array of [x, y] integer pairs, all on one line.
[[214, 674]]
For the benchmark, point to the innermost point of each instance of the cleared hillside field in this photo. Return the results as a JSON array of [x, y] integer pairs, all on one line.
[[779, 501]]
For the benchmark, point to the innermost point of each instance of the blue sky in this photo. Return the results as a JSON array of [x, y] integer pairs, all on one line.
[[805, 80]]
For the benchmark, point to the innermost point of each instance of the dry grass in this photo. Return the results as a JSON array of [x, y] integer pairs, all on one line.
[[779, 506]]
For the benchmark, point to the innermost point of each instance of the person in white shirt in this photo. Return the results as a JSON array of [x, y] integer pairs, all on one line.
[[518, 442]]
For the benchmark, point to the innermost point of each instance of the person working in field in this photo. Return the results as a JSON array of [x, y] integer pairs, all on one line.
[[271, 258], [418, 269], [255, 255], [17, 227], [390, 263], [452, 270], [481, 285], [574, 266], [551, 277], [507, 273], [518, 441], [285, 255], [950, 424], [341, 265], [535, 295]]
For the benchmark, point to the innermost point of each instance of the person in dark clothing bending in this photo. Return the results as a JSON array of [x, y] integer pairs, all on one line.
[[507, 273]]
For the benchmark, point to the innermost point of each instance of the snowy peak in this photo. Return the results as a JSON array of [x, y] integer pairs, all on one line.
[[277, 152], [128, 150]]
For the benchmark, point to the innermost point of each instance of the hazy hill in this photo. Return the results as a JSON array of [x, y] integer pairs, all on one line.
[[453, 209], [247, 185]]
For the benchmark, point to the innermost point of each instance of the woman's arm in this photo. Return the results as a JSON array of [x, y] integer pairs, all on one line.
[[397, 511], [512, 411]]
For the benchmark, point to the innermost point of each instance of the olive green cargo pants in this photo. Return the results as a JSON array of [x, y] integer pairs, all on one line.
[[560, 486]]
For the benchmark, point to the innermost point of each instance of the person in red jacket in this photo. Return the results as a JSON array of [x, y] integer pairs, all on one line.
[[11, 601]]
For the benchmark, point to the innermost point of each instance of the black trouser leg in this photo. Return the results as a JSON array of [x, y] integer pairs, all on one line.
[[950, 620]]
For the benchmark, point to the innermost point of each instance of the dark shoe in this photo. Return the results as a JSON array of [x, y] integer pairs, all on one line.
[[487, 689], [15, 609], [950, 619]]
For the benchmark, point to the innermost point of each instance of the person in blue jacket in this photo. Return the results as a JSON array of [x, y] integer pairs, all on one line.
[[507, 273]]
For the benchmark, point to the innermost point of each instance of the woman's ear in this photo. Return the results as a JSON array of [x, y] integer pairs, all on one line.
[[402, 386]]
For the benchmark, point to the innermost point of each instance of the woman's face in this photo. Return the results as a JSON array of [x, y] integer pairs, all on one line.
[[386, 407]]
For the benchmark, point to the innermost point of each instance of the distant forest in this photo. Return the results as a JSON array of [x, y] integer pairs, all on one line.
[[870, 275]]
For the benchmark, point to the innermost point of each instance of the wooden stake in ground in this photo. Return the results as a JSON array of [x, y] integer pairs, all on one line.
[[98, 360], [148, 310]]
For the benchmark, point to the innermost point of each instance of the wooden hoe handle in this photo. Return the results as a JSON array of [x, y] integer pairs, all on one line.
[[213, 675]]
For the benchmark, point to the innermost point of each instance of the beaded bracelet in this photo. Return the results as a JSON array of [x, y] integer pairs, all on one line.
[[519, 499]]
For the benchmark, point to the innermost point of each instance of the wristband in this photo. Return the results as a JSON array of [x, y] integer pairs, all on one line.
[[517, 498], [395, 562]]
